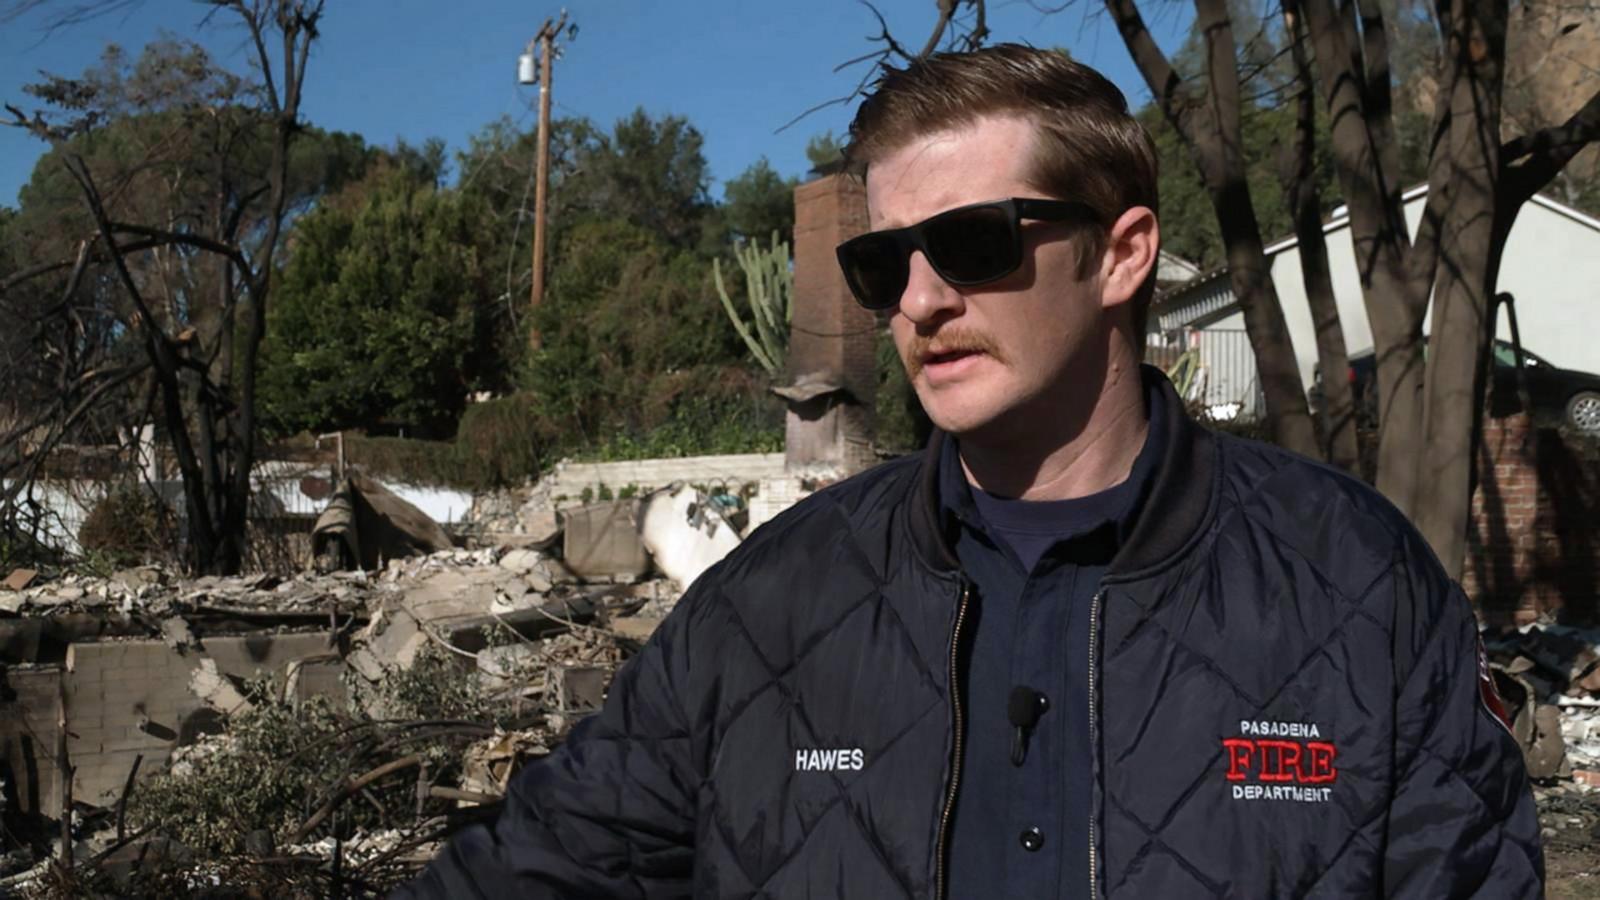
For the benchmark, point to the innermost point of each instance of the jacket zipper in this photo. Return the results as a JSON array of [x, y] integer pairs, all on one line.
[[1094, 735], [955, 763]]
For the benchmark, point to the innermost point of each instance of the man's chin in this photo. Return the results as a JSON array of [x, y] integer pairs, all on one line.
[[962, 419]]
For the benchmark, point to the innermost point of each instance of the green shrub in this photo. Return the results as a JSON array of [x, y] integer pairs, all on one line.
[[501, 442], [694, 413], [902, 426], [405, 460], [131, 525], [279, 760], [253, 779]]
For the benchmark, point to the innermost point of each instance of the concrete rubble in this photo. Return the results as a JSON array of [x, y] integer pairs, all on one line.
[[540, 612], [1548, 675], [685, 533], [544, 637]]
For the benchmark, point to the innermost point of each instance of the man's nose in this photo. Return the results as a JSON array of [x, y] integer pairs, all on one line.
[[927, 297]]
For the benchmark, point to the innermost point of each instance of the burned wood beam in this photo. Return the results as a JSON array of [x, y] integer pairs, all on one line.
[[449, 793], [127, 791], [350, 788]]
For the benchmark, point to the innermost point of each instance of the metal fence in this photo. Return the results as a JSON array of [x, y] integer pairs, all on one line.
[[1223, 382]]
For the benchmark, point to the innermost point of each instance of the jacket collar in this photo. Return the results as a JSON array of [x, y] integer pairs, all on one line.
[[1174, 511]]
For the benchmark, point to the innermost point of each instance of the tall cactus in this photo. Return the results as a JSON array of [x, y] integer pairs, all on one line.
[[769, 287]]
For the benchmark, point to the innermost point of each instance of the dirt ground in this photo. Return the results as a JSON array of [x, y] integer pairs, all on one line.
[[1570, 820]]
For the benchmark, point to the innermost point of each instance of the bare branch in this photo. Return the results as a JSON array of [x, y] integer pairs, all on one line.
[[879, 57], [892, 49], [198, 241], [1163, 80], [891, 46], [1530, 162], [76, 14], [980, 25], [23, 275], [1378, 92], [947, 8]]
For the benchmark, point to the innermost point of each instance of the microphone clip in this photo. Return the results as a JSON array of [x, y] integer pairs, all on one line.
[[1023, 709]]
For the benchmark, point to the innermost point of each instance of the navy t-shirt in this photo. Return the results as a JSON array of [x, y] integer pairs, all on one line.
[[1034, 567]]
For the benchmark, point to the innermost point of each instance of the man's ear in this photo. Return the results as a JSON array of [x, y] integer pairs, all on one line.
[[1132, 244]]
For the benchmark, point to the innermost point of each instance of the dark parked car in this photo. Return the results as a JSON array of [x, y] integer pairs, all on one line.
[[1557, 396]]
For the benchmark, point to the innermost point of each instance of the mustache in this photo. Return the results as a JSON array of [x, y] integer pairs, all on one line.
[[948, 340]]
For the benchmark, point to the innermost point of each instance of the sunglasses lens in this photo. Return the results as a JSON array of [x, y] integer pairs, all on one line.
[[972, 246], [875, 267]]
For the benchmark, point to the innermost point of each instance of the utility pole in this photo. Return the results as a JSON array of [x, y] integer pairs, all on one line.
[[545, 42]]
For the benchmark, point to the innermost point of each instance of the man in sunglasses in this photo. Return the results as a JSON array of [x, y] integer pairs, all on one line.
[[1081, 647]]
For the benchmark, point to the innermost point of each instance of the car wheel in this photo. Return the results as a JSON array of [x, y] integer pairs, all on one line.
[[1583, 412]]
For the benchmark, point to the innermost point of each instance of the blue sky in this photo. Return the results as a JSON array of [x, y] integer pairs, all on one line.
[[414, 70]]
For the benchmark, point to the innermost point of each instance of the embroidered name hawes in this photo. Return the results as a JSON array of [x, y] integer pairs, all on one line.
[[828, 760]]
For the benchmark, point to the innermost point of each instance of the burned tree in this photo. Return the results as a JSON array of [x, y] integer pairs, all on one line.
[[185, 181], [1299, 185], [1208, 120], [1429, 406]]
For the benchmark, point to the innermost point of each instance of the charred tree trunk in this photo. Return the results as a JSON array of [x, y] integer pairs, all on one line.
[[1352, 65], [1210, 128], [208, 412], [1300, 193], [1463, 291], [1429, 412]]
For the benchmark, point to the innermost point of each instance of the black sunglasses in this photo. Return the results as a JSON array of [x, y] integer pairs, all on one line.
[[967, 245]]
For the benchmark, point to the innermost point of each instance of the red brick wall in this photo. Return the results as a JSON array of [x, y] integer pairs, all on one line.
[[1534, 544], [830, 333]]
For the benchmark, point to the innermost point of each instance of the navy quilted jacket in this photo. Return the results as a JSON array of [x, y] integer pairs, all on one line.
[[1287, 703]]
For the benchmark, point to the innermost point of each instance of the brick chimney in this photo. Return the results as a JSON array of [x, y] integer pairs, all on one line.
[[832, 377]]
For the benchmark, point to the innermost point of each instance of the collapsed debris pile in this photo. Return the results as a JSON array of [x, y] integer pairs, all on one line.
[[153, 592], [453, 669], [1548, 675]]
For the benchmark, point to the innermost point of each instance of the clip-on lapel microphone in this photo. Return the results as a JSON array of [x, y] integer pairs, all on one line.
[[1024, 708]]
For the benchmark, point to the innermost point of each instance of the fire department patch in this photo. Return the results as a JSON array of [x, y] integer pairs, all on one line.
[[1487, 692], [1272, 760]]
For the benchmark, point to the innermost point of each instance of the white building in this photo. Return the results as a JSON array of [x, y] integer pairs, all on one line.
[[1551, 266]]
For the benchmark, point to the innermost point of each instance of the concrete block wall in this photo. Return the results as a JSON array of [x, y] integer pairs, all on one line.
[[1534, 543], [113, 687], [126, 699], [570, 479], [28, 739]]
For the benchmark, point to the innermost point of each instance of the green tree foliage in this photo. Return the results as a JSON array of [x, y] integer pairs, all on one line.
[[382, 318], [634, 341], [651, 172], [648, 171], [637, 357], [176, 126], [179, 147], [428, 163], [824, 152], [7, 249], [758, 202], [156, 221], [1188, 223]]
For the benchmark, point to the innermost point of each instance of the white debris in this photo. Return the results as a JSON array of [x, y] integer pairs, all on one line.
[[684, 533]]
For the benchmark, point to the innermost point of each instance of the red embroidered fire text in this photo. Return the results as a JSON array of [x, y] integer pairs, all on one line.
[[1263, 768]]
